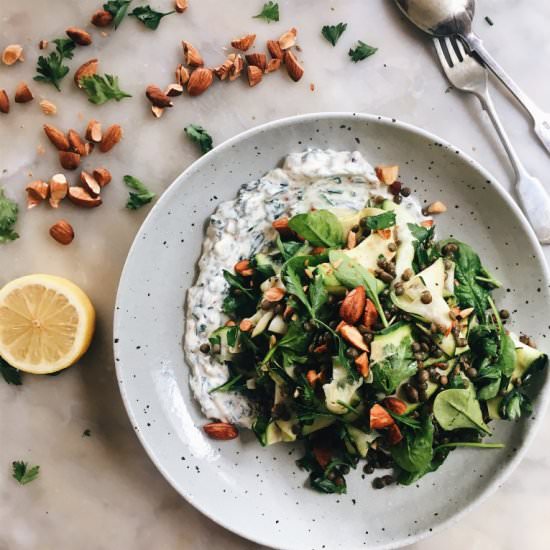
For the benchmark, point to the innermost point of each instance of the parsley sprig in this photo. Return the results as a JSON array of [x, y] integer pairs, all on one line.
[[333, 32], [102, 88], [118, 9], [51, 69], [200, 136], [8, 217], [142, 197], [9, 374], [270, 12], [362, 51], [22, 473], [148, 16]]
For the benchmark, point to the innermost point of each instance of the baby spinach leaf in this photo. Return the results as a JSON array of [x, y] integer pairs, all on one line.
[[320, 228], [382, 221], [483, 341], [289, 249], [457, 408], [397, 366], [414, 453]]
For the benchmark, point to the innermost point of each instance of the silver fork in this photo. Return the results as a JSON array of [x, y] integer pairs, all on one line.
[[467, 74]]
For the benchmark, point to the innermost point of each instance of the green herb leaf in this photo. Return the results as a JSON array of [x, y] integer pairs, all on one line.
[[8, 216], [319, 228], [200, 136], [333, 32], [22, 473], [458, 408], [10, 374], [318, 295], [515, 404], [361, 51], [414, 453], [294, 286], [101, 89], [148, 16], [472, 444], [139, 199], [289, 249], [235, 282], [117, 8], [270, 12], [232, 384], [397, 366], [382, 221], [51, 69]]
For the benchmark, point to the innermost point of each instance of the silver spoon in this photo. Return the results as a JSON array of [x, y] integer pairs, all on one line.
[[454, 17]]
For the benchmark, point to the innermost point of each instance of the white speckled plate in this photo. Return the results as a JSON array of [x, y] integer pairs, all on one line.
[[259, 493]]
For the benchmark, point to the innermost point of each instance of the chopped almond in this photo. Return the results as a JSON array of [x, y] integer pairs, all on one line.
[[380, 417]]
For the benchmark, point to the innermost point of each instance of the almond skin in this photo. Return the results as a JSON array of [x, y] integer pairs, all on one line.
[[192, 56], [111, 137], [102, 176], [362, 365], [274, 294], [254, 74], [86, 69], [199, 81], [380, 417], [222, 431], [69, 160], [77, 143], [4, 102], [352, 336], [157, 97], [395, 405], [43, 44], [222, 72], [182, 75], [181, 5], [173, 90], [93, 131], [79, 36], [370, 315], [58, 189], [353, 306], [12, 54], [273, 65], [90, 184], [23, 93], [63, 232], [257, 60], [236, 68], [102, 18], [282, 227], [288, 39], [81, 197], [294, 69], [57, 137], [243, 268], [244, 43], [274, 49], [245, 325]]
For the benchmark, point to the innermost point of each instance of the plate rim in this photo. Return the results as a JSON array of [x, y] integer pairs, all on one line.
[[154, 456]]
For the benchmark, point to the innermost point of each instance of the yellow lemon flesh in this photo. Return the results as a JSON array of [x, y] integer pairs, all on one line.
[[46, 323]]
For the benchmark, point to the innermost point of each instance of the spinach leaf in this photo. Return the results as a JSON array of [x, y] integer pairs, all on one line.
[[514, 405], [456, 408], [382, 221], [320, 228], [397, 366], [236, 282], [260, 428], [318, 295], [483, 341], [289, 249], [414, 453]]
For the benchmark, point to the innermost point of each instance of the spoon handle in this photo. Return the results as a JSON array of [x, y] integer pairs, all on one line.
[[540, 118]]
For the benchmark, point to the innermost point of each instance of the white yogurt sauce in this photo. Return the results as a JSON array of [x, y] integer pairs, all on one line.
[[322, 179]]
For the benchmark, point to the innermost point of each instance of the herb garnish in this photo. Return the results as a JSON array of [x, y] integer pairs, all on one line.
[[200, 136], [117, 8], [8, 217], [22, 473], [361, 51], [148, 16], [51, 69], [333, 32], [101, 89], [139, 199], [382, 221], [270, 12], [10, 374]]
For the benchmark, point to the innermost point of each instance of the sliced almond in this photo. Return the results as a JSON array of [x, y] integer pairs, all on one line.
[[236, 68], [93, 131], [79, 36], [43, 44], [58, 189], [244, 42], [255, 75], [192, 56], [63, 232], [48, 108], [274, 49], [81, 197], [157, 97], [69, 160], [102, 176], [257, 60], [387, 174], [89, 147], [436, 207], [288, 39], [173, 90], [23, 93], [4, 102], [464, 313], [294, 69], [181, 5], [77, 143], [12, 54], [111, 137], [102, 18], [86, 69], [157, 111], [90, 184], [243, 268], [199, 81], [57, 137], [273, 65], [182, 75], [352, 336], [222, 71]]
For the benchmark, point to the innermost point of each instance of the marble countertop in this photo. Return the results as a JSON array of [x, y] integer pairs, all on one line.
[[102, 492]]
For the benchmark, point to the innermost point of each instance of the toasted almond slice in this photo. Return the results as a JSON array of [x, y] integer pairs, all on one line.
[[362, 364], [352, 336], [58, 189], [387, 174], [93, 131], [102, 176], [48, 108], [192, 56], [243, 268], [43, 44], [254, 75], [288, 39], [90, 184], [294, 69], [38, 189], [245, 325], [81, 197], [257, 60], [273, 65], [157, 111], [244, 42]]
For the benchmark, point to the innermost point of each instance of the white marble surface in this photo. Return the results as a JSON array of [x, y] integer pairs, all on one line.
[[102, 492]]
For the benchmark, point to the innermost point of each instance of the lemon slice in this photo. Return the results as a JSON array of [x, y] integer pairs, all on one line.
[[46, 323]]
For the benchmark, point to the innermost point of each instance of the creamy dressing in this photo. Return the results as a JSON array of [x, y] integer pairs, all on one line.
[[321, 179]]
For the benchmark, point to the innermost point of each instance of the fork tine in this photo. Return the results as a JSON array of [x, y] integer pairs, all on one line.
[[451, 52], [440, 52], [459, 46]]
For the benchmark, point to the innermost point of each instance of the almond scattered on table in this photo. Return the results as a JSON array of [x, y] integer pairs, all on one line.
[[102, 18], [37, 191], [111, 137], [102, 176], [43, 44], [12, 54], [93, 131], [77, 143], [244, 43], [81, 197], [182, 75], [62, 231], [4, 102], [57, 137], [23, 93], [294, 69], [199, 81], [86, 69], [257, 60], [255, 75], [48, 108], [192, 56], [90, 184], [79, 36], [58, 189], [157, 97], [274, 49], [181, 5], [288, 39], [69, 160]]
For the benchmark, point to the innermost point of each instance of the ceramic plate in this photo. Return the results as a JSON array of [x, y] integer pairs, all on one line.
[[259, 492]]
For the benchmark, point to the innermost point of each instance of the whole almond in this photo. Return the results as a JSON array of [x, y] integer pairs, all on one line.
[[81, 197], [236, 68], [192, 56], [63, 232], [22, 93], [102, 176], [86, 69], [111, 137], [222, 71], [273, 65], [245, 325], [93, 131], [69, 160], [274, 49], [254, 75], [257, 60], [288, 39], [244, 42], [12, 53], [181, 5], [43, 44], [157, 97], [102, 18], [79, 36], [221, 431], [294, 69], [48, 108], [199, 81], [182, 75], [90, 184], [353, 305], [173, 90], [57, 137], [77, 143], [4, 102], [58, 189]]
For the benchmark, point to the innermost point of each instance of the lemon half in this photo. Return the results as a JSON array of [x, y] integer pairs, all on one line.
[[46, 323]]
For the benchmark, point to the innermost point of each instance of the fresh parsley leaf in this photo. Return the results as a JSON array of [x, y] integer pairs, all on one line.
[[270, 12], [139, 199], [318, 295], [515, 404], [289, 249], [233, 384], [361, 51], [8, 217], [294, 286], [397, 366], [9, 374], [101, 89], [117, 8], [235, 282], [333, 32], [421, 233], [51, 69], [200, 136], [382, 221], [148, 16], [319, 228], [22, 473]]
